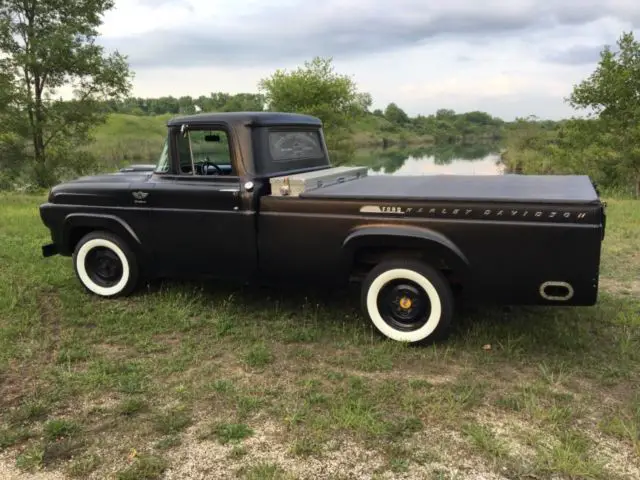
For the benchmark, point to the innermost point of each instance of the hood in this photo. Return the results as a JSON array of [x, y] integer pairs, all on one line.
[[118, 177], [105, 189]]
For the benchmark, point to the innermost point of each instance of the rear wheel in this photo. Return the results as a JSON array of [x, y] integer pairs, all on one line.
[[105, 265], [408, 301]]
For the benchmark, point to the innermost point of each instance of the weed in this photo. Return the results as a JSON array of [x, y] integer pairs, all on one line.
[[132, 406], [13, 436], [259, 355], [306, 446], [485, 441], [172, 421], [84, 465], [30, 411], [144, 467], [61, 449], [399, 465], [228, 432], [570, 455], [265, 471], [237, 452], [72, 354], [60, 428], [223, 386], [168, 442], [31, 458]]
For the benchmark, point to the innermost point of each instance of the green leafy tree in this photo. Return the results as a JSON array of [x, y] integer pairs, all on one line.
[[395, 114], [47, 46], [316, 89], [612, 95]]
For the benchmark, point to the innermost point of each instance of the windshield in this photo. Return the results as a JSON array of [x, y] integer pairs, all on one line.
[[163, 162]]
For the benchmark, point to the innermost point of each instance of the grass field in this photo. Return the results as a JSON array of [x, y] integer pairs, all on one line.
[[189, 381]]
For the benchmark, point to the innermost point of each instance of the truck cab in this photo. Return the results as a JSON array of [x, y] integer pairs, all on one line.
[[203, 197]]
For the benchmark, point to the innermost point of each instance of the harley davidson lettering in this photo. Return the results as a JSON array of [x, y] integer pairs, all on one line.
[[443, 212]]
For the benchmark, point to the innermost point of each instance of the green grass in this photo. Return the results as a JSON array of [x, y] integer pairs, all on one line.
[[258, 356], [485, 441], [84, 382], [125, 139], [228, 432]]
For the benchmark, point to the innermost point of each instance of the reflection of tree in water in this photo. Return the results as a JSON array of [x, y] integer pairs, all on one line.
[[392, 159], [445, 154]]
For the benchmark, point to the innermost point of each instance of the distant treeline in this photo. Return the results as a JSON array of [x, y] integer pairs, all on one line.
[[445, 125], [392, 123], [216, 102]]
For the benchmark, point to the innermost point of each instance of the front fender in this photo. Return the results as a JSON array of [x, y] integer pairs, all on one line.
[[398, 237], [96, 221]]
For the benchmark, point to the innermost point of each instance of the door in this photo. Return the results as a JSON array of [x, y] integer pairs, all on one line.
[[199, 224]]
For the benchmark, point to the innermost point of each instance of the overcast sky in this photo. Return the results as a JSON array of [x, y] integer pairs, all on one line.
[[510, 58]]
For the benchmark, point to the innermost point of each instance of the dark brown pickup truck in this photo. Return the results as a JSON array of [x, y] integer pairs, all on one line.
[[252, 197]]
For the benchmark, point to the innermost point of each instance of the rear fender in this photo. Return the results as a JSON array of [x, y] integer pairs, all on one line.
[[429, 243], [111, 223]]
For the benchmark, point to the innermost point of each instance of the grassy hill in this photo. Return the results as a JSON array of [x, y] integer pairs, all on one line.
[[125, 139]]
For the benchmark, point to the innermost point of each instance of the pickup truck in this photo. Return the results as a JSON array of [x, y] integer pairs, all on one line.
[[252, 197]]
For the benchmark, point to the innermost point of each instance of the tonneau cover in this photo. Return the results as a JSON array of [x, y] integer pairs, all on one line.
[[507, 188]]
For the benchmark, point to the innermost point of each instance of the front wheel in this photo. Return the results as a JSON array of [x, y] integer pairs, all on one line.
[[105, 265], [408, 301]]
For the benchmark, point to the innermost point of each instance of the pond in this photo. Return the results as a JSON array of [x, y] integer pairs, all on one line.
[[475, 159]]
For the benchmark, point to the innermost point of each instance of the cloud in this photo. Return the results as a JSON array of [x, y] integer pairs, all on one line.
[[576, 55], [202, 32], [509, 58]]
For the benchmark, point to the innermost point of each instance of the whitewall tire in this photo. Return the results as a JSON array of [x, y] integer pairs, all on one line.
[[408, 301], [105, 265]]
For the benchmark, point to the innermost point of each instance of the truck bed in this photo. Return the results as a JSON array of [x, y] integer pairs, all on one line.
[[508, 188]]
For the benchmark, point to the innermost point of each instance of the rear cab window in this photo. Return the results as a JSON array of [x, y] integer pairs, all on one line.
[[287, 150]]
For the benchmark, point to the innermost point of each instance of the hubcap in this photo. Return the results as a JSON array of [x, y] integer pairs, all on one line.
[[404, 305], [103, 267]]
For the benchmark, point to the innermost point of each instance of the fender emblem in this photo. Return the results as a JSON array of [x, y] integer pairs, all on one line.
[[139, 197]]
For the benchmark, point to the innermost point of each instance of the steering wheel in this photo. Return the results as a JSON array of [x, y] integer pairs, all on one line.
[[207, 162]]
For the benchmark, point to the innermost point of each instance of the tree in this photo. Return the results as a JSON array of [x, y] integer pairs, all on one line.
[[316, 89], [395, 114], [612, 93], [49, 45], [445, 113]]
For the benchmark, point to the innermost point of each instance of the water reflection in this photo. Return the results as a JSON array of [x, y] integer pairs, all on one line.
[[476, 159]]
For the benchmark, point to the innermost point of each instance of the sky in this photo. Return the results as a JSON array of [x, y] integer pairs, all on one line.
[[509, 58]]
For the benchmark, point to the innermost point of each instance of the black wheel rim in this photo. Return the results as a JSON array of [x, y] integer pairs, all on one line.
[[103, 267], [404, 305]]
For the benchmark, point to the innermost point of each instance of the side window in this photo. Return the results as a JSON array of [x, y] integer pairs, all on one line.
[[163, 164], [205, 152]]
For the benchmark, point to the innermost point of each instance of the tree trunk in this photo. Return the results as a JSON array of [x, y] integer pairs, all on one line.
[[39, 153]]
